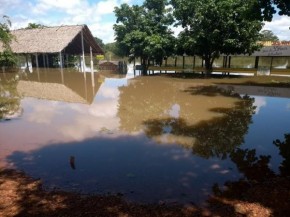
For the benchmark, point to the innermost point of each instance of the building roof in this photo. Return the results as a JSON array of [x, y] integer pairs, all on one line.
[[57, 39]]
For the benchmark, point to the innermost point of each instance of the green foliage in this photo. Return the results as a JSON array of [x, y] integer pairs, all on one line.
[[268, 35], [100, 42], [9, 98], [269, 7], [6, 36], [35, 26], [113, 51], [284, 151], [143, 31], [7, 58], [212, 27]]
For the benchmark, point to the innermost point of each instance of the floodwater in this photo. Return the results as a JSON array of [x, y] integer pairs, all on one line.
[[146, 139]]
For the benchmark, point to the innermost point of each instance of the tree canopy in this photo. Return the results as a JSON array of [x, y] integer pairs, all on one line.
[[6, 57], [143, 31], [34, 26], [214, 27], [268, 35], [5, 35], [100, 42], [270, 7], [210, 28]]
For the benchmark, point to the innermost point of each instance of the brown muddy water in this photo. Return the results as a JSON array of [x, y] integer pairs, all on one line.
[[147, 139]]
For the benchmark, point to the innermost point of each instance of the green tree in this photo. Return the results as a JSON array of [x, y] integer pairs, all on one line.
[[35, 26], [270, 7], [268, 35], [214, 27], [7, 58], [6, 36], [143, 31], [100, 42]]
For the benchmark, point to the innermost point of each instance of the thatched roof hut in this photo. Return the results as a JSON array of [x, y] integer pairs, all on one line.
[[67, 39]]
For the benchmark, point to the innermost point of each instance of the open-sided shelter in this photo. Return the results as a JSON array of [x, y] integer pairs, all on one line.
[[61, 41]]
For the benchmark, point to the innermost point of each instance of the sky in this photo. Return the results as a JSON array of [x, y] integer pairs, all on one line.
[[97, 14]]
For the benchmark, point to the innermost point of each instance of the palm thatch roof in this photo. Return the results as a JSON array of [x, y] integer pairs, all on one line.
[[57, 39]]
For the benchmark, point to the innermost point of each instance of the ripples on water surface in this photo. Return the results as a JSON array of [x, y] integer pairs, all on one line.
[[149, 139]]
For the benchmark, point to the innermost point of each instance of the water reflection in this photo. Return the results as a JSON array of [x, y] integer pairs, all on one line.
[[258, 179], [9, 97], [60, 85], [212, 124], [284, 151], [149, 139], [257, 90]]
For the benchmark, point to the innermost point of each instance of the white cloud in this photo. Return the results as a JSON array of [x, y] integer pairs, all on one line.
[[98, 15], [105, 7], [8, 5], [280, 27], [259, 103], [59, 4]]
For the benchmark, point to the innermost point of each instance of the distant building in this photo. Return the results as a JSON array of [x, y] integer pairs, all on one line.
[[116, 66]]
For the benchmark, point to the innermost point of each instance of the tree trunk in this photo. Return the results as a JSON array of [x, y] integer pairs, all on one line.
[[144, 66], [208, 65]]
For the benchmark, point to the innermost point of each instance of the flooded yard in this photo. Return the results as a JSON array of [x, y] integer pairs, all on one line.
[[146, 139]]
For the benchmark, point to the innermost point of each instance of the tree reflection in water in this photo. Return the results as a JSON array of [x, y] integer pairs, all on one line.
[[284, 148], [9, 97], [217, 137], [260, 184]]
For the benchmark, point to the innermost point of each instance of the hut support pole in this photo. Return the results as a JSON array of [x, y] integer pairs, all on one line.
[[43, 59], [36, 58], [92, 67], [66, 57], [26, 57], [37, 66], [83, 52], [47, 63], [60, 60]]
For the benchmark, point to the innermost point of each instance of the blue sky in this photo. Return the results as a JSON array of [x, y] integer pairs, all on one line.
[[97, 14]]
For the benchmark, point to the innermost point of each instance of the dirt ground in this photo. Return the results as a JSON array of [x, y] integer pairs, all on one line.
[[22, 196]]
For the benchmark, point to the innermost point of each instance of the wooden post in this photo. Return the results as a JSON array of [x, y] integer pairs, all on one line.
[[183, 61], [36, 58], [61, 67], [27, 66], [60, 60], [66, 62], [165, 64], [175, 62], [92, 63], [230, 58], [47, 62], [134, 67], [271, 65], [92, 67], [43, 59], [37, 66], [83, 51], [257, 64]]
